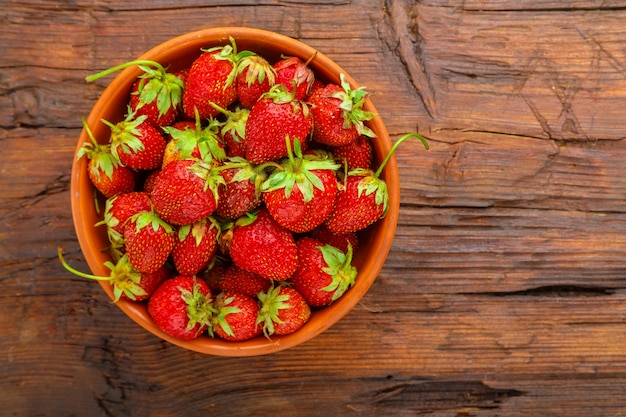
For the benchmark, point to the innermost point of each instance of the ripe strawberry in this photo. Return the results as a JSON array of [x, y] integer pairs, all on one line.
[[236, 317], [301, 194], [272, 119], [156, 93], [186, 191], [127, 282], [149, 241], [242, 191], [255, 76], [233, 130], [211, 79], [363, 199], [104, 170], [283, 310], [121, 207], [191, 140], [195, 245], [136, 142], [324, 272], [292, 70], [338, 114], [236, 279], [340, 241], [182, 307], [356, 154], [259, 244]]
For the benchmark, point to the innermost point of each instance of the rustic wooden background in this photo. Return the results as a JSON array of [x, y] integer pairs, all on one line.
[[504, 292]]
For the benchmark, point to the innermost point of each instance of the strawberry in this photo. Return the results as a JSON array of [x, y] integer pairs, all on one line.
[[191, 140], [340, 241], [121, 207], [255, 76], [242, 191], [364, 198], [182, 307], [236, 279], [292, 71], [233, 130], [283, 310], [195, 245], [186, 191], [211, 79], [236, 317], [338, 114], [149, 241], [156, 93], [276, 116], [148, 182], [127, 282], [136, 142], [104, 170], [356, 154], [324, 272], [259, 244], [301, 194]]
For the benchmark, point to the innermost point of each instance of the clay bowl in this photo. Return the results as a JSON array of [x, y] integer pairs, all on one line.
[[178, 53]]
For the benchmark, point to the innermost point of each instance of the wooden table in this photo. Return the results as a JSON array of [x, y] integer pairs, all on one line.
[[504, 292]]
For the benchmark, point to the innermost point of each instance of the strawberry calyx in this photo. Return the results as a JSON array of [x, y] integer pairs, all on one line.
[[340, 268], [258, 70], [352, 101], [197, 230], [124, 278], [102, 156], [235, 123], [229, 53], [200, 309], [247, 171], [297, 171], [155, 84], [150, 219], [222, 309], [125, 135], [205, 138], [210, 175], [271, 302]]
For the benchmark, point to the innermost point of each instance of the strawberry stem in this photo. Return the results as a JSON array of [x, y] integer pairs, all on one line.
[[106, 72], [90, 133], [395, 145], [77, 272]]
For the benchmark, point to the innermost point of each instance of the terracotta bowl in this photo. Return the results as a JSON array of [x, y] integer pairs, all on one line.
[[178, 53]]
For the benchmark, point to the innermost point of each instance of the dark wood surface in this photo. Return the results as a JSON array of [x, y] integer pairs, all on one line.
[[504, 292]]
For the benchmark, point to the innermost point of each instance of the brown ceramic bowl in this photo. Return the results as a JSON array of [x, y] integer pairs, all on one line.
[[178, 53]]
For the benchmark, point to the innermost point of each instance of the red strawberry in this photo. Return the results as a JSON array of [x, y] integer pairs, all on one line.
[[356, 154], [324, 272], [186, 191], [148, 182], [233, 130], [136, 142], [105, 171], [363, 199], [121, 207], [242, 191], [338, 114], [191, 140], [255, 76], [292, 70], [211, 79], [182, 307], [236, 279], [259, 244], [236, 317], [127, 282], [340, 241], [272, 119], [301, 195], [156, 93], [283, 310], [195, 245], [149, 241]]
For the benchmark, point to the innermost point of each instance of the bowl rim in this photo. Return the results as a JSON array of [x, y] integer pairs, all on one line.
[[83, 215]]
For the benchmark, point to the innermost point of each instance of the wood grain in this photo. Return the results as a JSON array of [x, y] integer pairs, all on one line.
[[504, 292]]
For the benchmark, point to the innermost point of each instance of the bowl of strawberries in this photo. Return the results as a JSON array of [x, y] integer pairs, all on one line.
[[234, 191]]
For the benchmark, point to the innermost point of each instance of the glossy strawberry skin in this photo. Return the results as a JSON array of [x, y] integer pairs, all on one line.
[[207, 81], [340, 241], [179, 195], [121, 207], [356, 154], [270, 123], [194, 246], [243, 323], [297, 215], [264, 247], [236, 198], [235, 279], [170, 311], [147, 248], [151, 156]]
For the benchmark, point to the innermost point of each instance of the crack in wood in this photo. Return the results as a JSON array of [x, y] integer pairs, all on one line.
[[553, 291]]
